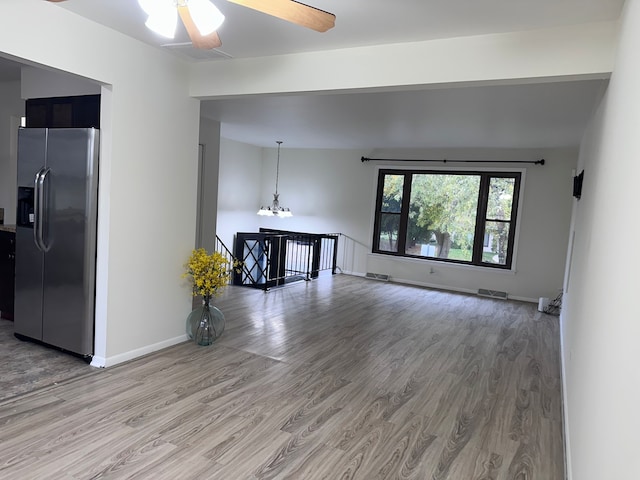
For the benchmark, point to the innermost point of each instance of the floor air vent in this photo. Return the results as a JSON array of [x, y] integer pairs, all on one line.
[[378, 276], [492, 293]]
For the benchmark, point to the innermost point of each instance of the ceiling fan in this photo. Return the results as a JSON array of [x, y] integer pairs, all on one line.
[[202, 18]]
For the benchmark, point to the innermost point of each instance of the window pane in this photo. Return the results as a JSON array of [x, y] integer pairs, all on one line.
[[440, 221], [496, 242], [392, 193], [389, 226], [442, 216], [500, 198]]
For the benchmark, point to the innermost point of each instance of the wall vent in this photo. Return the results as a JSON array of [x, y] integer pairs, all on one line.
[[492, 293], [378, 276]]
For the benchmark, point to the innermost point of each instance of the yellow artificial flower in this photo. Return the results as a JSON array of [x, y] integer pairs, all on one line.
[[209, 273]]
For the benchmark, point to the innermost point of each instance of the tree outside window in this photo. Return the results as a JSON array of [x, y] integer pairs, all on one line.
[[463, 217]]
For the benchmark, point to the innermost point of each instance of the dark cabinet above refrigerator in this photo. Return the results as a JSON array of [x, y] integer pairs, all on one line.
[[81, 111]]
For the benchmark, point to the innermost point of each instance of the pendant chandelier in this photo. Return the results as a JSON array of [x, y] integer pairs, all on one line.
[[275, 209]]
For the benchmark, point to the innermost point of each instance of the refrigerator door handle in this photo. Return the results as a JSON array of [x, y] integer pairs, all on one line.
[[42, 209], [39, 199], [36, 203]]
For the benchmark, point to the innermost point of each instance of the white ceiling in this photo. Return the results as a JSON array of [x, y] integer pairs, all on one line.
[[515, 116], [247, 33], [552, 114]]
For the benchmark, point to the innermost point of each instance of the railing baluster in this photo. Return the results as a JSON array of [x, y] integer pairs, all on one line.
[[278, 256]]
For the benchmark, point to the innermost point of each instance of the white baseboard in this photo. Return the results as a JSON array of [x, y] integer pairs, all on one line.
[[431, 285], [523, 299], [97, 361], [138, 352], [438, 286], [353, 274], [568, 474]]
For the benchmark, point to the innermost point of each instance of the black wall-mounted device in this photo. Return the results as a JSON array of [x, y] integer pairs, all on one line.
[[577, 185]]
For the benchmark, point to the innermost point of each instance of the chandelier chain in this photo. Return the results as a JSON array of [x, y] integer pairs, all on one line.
[[279, 142], [275, 209]]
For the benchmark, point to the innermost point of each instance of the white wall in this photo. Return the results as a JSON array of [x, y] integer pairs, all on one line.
[[42, 83], [148, 170], [543, 224], [332, 191], [328, 191], [322, 188], [239, 194], [11, 108], [601, 312], [565, 52]]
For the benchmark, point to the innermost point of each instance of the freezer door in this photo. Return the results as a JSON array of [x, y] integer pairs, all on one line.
[[70, 240], [27, 310], [29, 260], [32, 151]]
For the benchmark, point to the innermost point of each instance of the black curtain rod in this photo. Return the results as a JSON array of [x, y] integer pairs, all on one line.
[[444, 160]]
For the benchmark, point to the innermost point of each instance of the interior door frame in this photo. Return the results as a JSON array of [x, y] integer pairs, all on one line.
[[200, 205]]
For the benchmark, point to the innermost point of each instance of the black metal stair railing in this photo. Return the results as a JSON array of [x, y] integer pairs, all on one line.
[[220, 247], [275, 257]]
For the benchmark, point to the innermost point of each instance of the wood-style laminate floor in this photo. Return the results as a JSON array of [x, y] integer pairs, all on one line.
[[27, 366], [339, 378]]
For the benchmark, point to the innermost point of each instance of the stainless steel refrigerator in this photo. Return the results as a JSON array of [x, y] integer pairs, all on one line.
[[56, 237]]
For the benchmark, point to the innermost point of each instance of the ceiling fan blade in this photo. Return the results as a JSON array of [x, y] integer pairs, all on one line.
[[205, 42], [294, 12]]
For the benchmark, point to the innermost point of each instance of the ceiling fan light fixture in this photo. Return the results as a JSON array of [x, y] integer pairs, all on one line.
[[163, 23], [163, 16], [202, 18], [206, 16]]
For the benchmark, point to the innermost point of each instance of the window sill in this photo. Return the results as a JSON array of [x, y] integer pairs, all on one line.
[[434, 263]]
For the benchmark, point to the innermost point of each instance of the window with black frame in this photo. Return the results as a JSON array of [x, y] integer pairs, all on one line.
[[451, 216]]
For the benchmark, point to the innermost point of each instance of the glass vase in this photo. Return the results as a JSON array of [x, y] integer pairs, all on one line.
[[205, 324]]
